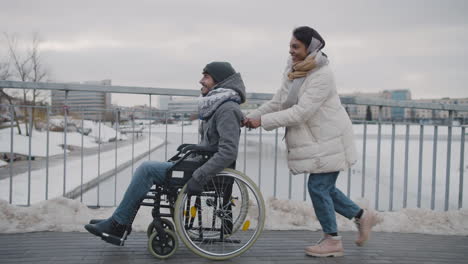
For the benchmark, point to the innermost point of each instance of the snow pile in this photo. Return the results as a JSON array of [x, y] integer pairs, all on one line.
[[54, 215], [65, 215], [59, 214], [291, 215]]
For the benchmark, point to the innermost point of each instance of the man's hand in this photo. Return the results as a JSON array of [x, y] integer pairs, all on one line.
[[244, 122], [253, 123], [193, 187]]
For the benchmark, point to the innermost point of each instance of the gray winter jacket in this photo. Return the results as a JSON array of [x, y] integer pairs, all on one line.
[[222, 130]]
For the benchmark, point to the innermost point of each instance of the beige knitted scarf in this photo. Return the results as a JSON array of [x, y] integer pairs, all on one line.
[[301, 68]]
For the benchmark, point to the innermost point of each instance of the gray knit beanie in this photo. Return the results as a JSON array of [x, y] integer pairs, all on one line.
[[219, 70]]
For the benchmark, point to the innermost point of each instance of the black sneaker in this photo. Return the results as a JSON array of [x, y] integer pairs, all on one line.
[[95, 221], [110, 231]]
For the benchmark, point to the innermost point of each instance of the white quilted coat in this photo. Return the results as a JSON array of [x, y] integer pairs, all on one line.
[[319, 132]]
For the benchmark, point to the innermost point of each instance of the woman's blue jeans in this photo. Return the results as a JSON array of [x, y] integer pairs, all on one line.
[[327, 199], [145, 176]]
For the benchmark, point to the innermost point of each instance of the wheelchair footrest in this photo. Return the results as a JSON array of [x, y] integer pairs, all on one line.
[[118, 241]]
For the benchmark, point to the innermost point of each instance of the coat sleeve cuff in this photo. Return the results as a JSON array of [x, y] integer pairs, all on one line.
[[267, 122], [254, 114]]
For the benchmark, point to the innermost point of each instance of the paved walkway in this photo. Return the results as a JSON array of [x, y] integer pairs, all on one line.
[[272, 247]]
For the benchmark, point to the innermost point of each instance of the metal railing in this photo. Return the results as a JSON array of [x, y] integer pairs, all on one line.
[[392, 155]]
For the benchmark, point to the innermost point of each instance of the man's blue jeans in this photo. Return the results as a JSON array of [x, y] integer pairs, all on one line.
[[145, 176], [327, 199]]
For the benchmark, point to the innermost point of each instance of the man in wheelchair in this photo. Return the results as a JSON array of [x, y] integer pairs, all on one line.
[[221, 94]]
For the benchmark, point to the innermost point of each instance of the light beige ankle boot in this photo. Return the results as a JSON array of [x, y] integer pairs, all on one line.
[[364, 226], [328, 246]]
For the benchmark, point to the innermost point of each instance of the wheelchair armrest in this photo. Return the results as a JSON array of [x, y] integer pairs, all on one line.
[[181, 147], [200, 149]]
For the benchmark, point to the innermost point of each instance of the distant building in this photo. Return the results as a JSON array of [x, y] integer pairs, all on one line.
[[91, 104], [163, 102], [427, 114], [359, 112], [397, 113]]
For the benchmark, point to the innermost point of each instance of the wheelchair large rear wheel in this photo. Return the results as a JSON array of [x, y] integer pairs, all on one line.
[[240, 199], [223, 221]]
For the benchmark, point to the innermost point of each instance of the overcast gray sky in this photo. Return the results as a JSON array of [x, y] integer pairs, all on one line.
[[372, 45]]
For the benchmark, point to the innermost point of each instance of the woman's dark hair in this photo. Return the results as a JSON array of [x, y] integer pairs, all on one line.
[[304, 34]]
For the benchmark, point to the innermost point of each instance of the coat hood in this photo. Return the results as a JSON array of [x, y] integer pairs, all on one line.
[[234, 82]]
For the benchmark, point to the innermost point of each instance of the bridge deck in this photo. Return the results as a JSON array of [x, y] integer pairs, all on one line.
[[272, 247]]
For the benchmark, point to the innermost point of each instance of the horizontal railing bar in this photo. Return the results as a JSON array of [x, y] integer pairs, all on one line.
[[115, 89], [355, 100]]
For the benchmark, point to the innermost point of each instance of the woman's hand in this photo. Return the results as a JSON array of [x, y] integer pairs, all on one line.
[[252, 123]]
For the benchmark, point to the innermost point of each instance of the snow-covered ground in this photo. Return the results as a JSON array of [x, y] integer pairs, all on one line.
[[56, 139], [65, 215], [73, 170]]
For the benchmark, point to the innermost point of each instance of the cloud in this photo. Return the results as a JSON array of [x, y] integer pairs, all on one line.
[[372, 45]]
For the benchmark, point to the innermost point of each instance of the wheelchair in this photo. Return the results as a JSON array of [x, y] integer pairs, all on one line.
[[220, 223]]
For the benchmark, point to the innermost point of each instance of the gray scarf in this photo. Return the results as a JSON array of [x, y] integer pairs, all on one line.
[[296, 84], [208, 104]]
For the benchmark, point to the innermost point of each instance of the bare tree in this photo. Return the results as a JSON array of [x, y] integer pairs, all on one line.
[[4, 75], [38, 72], [21, 69], [27, 66], [4, 70]]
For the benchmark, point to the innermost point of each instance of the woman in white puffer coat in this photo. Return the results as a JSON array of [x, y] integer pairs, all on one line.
[[319, 137]]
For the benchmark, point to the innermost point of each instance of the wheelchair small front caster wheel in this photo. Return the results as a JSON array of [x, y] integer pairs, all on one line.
[[163, 248], [165, 223]]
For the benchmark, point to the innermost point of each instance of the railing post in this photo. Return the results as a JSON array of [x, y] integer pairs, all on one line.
[[132, 117], [29, 152], [364, 141], [462, 168], [405, 183], [377, 181], [99, 160], [449, 152], [260, 159], [82, 158], [420, 163], [348, 187], [182, 130], [434, 166], [65, 107], [275, 173], [117, 118], [392, 163], [245, 149], [12, 115], [149, 132], [166, 142], [47, 153], [304, 197]]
